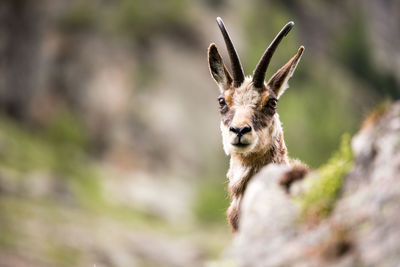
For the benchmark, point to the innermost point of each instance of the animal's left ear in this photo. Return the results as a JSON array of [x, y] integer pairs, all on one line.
[[279, 81]]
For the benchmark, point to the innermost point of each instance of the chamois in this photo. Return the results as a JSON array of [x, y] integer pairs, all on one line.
[[251, 130]]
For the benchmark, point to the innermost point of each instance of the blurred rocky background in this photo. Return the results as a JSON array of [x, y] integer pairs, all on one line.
[[110, 151]]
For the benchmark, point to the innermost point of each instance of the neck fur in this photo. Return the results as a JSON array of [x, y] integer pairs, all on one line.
[[243, 167]]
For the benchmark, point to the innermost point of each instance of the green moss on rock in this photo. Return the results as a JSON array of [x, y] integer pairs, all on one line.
[[323, 189]]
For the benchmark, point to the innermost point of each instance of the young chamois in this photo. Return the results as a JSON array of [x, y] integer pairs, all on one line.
[[251, 130]]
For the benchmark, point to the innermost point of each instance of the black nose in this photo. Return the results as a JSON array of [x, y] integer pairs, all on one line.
[[240, 131]]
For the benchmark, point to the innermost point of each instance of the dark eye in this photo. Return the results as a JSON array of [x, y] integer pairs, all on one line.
[[272, 103], [221, 102]]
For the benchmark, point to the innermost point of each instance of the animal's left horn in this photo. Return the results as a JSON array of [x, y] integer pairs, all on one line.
[[237, 70], [261, 69]]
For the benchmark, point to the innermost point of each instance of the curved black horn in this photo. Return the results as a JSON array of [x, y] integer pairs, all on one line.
[[237, 70], [261, 69]]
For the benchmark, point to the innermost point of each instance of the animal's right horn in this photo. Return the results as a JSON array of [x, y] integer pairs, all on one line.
[[237, 70]]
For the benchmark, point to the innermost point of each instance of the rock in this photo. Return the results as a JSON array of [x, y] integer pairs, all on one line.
[[363, 229]]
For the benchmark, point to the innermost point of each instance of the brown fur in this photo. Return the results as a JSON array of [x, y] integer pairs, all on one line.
[[227, 117], [233, 214], [296, 173], [260, 119], [265, 97], [229, 97]]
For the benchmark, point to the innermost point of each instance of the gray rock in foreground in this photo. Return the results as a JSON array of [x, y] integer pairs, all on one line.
[[362, 230]]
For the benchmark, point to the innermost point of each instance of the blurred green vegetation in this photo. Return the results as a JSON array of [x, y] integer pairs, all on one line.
[[212, 201], [81, 16], [60, 150], [315, 113], [140, 20], [319, 107], [63, 255], [353, 50], [261, 23], [143, 19], [59, 154], [67, 130], [323, 190]]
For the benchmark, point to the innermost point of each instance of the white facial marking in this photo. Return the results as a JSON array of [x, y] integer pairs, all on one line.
[[246, 95]]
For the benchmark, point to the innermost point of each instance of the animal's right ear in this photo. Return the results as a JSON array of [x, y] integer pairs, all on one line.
[[218, 69]]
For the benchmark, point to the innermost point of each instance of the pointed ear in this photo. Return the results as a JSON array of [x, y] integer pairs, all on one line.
[[279, 81], [218, 69]]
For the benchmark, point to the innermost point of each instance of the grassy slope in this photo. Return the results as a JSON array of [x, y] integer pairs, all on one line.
[[54, 211]]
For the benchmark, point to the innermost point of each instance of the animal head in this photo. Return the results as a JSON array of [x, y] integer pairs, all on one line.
[[249, 122]]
